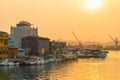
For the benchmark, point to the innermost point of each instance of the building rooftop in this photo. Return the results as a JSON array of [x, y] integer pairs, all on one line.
[[2, 32], [23, 23], [28, 37], [20, 49]]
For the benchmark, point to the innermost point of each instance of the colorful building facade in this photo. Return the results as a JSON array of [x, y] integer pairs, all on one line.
[[13, 51], [3, 44]]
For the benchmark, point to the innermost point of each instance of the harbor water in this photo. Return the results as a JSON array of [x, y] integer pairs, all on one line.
[[81, 69]]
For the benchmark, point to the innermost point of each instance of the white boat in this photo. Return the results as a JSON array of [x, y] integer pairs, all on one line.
[[52, 58], [6, 62], [33, 60], [40, 60], [30, 62]]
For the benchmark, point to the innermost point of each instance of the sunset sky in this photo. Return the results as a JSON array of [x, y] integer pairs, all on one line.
[[58, 18]]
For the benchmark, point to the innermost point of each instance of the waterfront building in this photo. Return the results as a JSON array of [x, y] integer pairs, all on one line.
[[57, 46], [21, 53], [22, 29], [13, 51], [3, 44], [37, 45]]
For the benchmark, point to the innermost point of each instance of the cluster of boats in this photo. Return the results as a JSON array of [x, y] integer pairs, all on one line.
[[7, 62], [29, 60], [67, 55], [88, 53], [39, 60]]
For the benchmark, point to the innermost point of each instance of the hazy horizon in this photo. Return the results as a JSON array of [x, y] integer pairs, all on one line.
[[56, 19]]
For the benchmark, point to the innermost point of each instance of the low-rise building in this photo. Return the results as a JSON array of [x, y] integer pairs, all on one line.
[[13, 51], [37, 45], [21, 53], [57, 46]]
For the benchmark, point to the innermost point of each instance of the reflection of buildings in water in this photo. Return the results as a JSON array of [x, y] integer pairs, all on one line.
[[20, 72], [8, 73], [30, 72], [4, 74], [15, 73]]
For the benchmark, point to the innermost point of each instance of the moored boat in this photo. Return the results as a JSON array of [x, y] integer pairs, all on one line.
[[69, 55], [28, 61], [7, 62], [99, 53], [83, 53], [88, 53]]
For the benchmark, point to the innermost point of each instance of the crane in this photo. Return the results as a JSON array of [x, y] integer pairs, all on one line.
[[116, 41], [80, 45]]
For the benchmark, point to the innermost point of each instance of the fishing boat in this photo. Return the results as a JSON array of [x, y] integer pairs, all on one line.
[[30, 62], [42, 60], [27, 61], [97, 53], [49, 59], [69, 55], [34, 60], [83, 53]]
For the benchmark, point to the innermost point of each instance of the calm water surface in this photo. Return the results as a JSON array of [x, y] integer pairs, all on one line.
[[81, 69]]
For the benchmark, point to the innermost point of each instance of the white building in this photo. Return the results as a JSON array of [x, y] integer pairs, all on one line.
[[22, 29]]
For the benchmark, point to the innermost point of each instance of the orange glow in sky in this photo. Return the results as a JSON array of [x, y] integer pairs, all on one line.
[[58, 18]]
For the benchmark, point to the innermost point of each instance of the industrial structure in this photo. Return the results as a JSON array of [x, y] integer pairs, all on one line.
[[116, 43]]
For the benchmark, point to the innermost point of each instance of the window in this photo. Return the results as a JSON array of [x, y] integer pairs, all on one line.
[[1, 41], [0, 35], [5, 43]]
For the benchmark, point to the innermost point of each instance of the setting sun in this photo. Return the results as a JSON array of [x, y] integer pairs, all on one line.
[[92, 4]]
